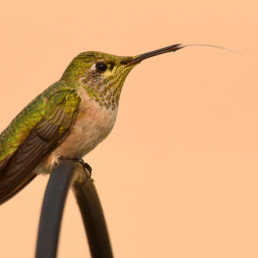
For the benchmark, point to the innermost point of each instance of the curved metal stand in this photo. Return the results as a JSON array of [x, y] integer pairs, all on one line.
[[93, 219], [52, 210]]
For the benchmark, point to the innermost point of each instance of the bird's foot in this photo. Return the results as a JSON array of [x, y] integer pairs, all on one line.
[[85, 166]]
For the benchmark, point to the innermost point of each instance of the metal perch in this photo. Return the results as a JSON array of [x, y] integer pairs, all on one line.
[[52, 211]]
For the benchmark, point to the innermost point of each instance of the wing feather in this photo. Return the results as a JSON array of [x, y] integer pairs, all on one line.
[[16, 171]]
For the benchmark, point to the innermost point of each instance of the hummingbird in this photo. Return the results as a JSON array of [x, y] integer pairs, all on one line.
[[67, 120]]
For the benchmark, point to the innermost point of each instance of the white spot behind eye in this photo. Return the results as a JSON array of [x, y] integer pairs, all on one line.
[[93, 67]]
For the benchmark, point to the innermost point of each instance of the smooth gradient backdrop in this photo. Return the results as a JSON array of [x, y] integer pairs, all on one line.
[[178, 176]]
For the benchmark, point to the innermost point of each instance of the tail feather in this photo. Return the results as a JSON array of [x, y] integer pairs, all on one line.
[[11, 181], [8, 191]]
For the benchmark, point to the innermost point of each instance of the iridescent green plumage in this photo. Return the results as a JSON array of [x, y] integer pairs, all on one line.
[[42, 107], [49, 118], [44, 104], [71, 117], [39, 128]]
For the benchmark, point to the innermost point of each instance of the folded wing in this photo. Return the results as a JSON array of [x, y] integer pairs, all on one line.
[[16, 170]]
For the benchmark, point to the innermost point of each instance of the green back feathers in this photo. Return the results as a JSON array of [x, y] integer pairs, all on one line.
[[41, 108]]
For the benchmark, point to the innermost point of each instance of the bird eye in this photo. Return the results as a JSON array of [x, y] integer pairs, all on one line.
[[101, 67]]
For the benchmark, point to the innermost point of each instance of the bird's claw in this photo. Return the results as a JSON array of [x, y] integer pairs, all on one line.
[[85, 166]]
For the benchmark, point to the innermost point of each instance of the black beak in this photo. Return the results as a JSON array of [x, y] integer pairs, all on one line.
[[139, 58]]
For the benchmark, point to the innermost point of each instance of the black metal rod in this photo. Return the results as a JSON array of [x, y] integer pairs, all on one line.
[[52, 209], [93, 219]]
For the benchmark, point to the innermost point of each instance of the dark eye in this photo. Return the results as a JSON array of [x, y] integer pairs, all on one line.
[[101, 67]]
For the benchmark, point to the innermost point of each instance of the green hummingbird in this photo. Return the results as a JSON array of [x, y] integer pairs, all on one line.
[[67, 120]]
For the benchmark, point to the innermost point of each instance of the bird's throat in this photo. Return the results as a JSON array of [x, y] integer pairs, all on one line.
[[106, 91]]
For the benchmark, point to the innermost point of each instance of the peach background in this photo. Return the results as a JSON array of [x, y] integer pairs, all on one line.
[[178, 175]]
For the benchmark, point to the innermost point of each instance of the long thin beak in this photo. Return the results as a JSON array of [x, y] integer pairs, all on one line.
[[173, 48], [139, 58]]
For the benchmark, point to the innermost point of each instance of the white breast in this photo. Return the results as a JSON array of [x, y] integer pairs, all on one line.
[[93, 124]]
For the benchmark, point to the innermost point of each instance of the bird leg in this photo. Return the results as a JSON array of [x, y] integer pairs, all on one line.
[[86, 166]]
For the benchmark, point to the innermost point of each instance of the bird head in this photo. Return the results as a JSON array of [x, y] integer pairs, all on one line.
[[103, 75]]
